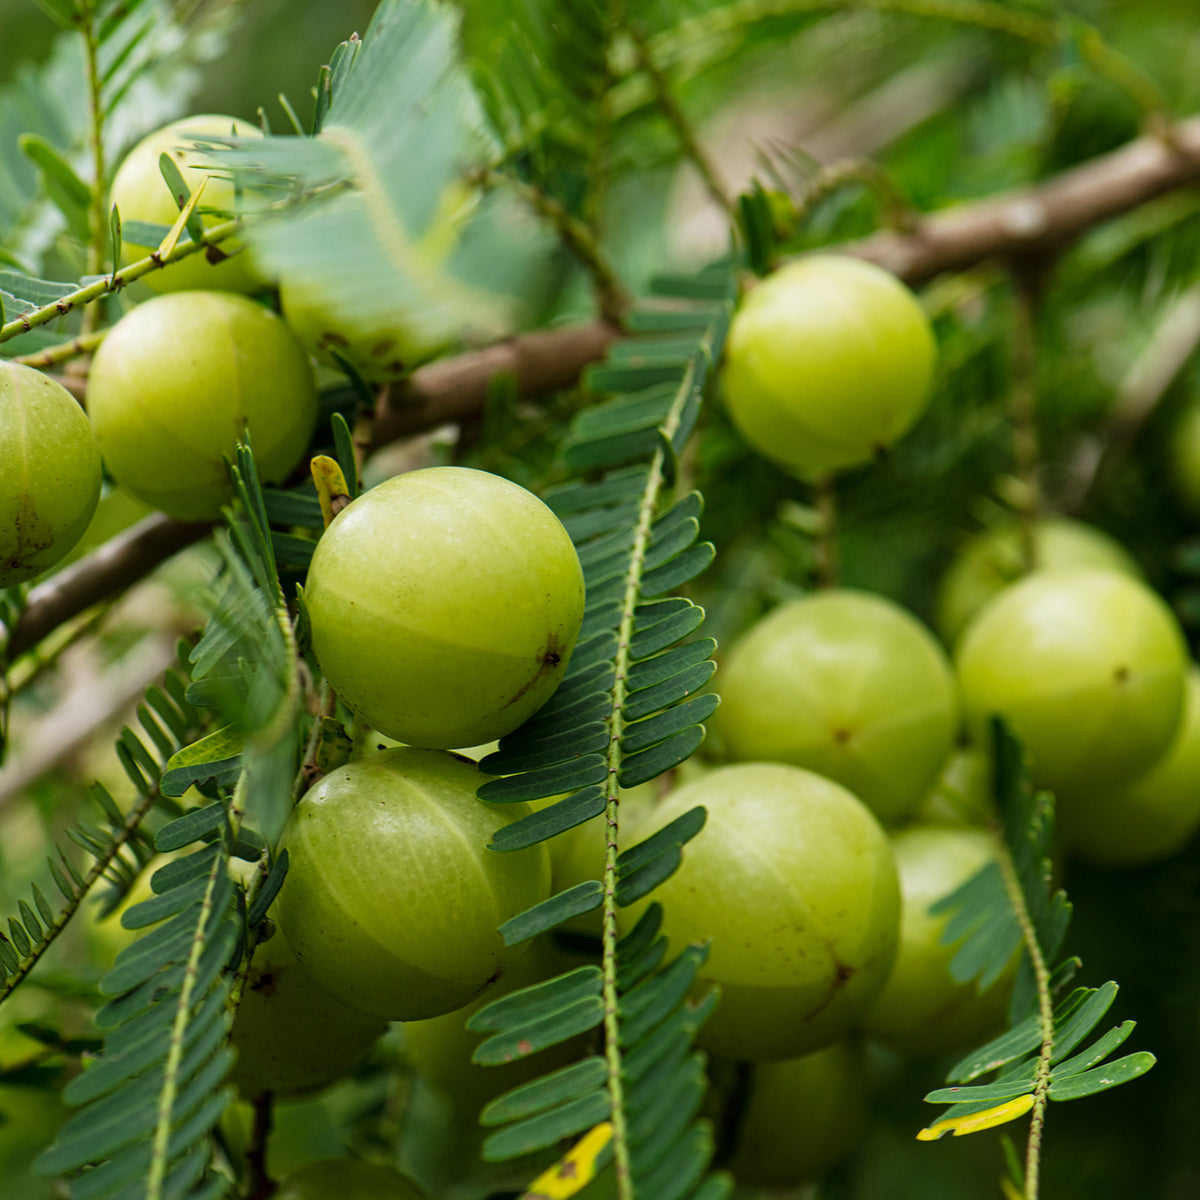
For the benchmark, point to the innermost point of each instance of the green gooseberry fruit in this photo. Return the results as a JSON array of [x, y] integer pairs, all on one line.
[[828, 362], [991, 561], [141, 194], [393, 900], [849, 685], [440, 1048], [50, 481], [923, 1009], [792, 881], [1152, 817], [1088, 669], [346, 1179], [292, 1035], [180, 379], [962, 793], [803, 1115], [444, 605]]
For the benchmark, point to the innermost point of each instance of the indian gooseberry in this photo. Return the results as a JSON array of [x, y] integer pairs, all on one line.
[[282, 1005], [346, 1179], [1088, 669], [49, 472], [793, 882], [1152, 817], [180, 379], [922, 1008], [444, 605], [393, 900], [828, 362], [849, 685], [141, 194], [991, 561]]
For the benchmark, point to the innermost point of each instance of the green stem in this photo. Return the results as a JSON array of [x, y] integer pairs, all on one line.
[[825, 502], [84, 344], [98, 227], [116, 281], [1022, 412]]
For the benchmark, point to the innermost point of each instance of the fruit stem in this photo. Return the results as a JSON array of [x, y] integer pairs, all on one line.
[[97, 225], [1022, 412], [825, 545]]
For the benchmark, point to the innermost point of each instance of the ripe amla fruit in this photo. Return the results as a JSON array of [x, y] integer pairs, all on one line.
[[141, 194], [444, 605], [792, 880], [392, 899], [291, 1034], [1088, 669], [346, 1179], [989, 563], [180, 380], [802, 1116], [846, 684], [1152, 817], [923, 1009], [49, 473], [828, 362]]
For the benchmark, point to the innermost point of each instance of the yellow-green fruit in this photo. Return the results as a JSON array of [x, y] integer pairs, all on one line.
[[1088, 669], [828, 362], [441, 1047], [444, 605], [392, 899], [922, 1008], [141, 194], [291, 1034], [1153, 817], [347, 1179], [49, 473], [846, 684], [962, 793], [180, 379], [804, 1114], [987, 564], [792, 880]]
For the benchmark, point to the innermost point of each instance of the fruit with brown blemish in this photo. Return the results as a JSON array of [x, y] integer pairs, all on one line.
[[49, 473], [444, 605], [793, 883], [393, 900], [179, 380]]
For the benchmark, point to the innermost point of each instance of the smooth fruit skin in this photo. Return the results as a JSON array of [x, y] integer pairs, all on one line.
[[141, 194], [846, 684], [828, 362], [922, 1008], [1088, 669], [291, 1034], [1154, 816], [987, 564], [444, 606], [347, 1179], [180, 379], [392, 899], [803, 1116], [49, 473], [792, 879]]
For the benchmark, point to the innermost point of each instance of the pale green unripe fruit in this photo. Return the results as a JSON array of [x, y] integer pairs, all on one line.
[[392, 899], [444, 605], [1088, 669], [291, 1034], [180, 379], [49, 473], [1152, 817], [987, 564], [347, 1179], [803, 1115], [828, 362], [793, 881], [961, 795], [846, 684], [922, 1008], [141, 194]]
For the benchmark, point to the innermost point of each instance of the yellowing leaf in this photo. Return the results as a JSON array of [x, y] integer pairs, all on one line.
[[331, 486], [575, 1170], [999, 1114]]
